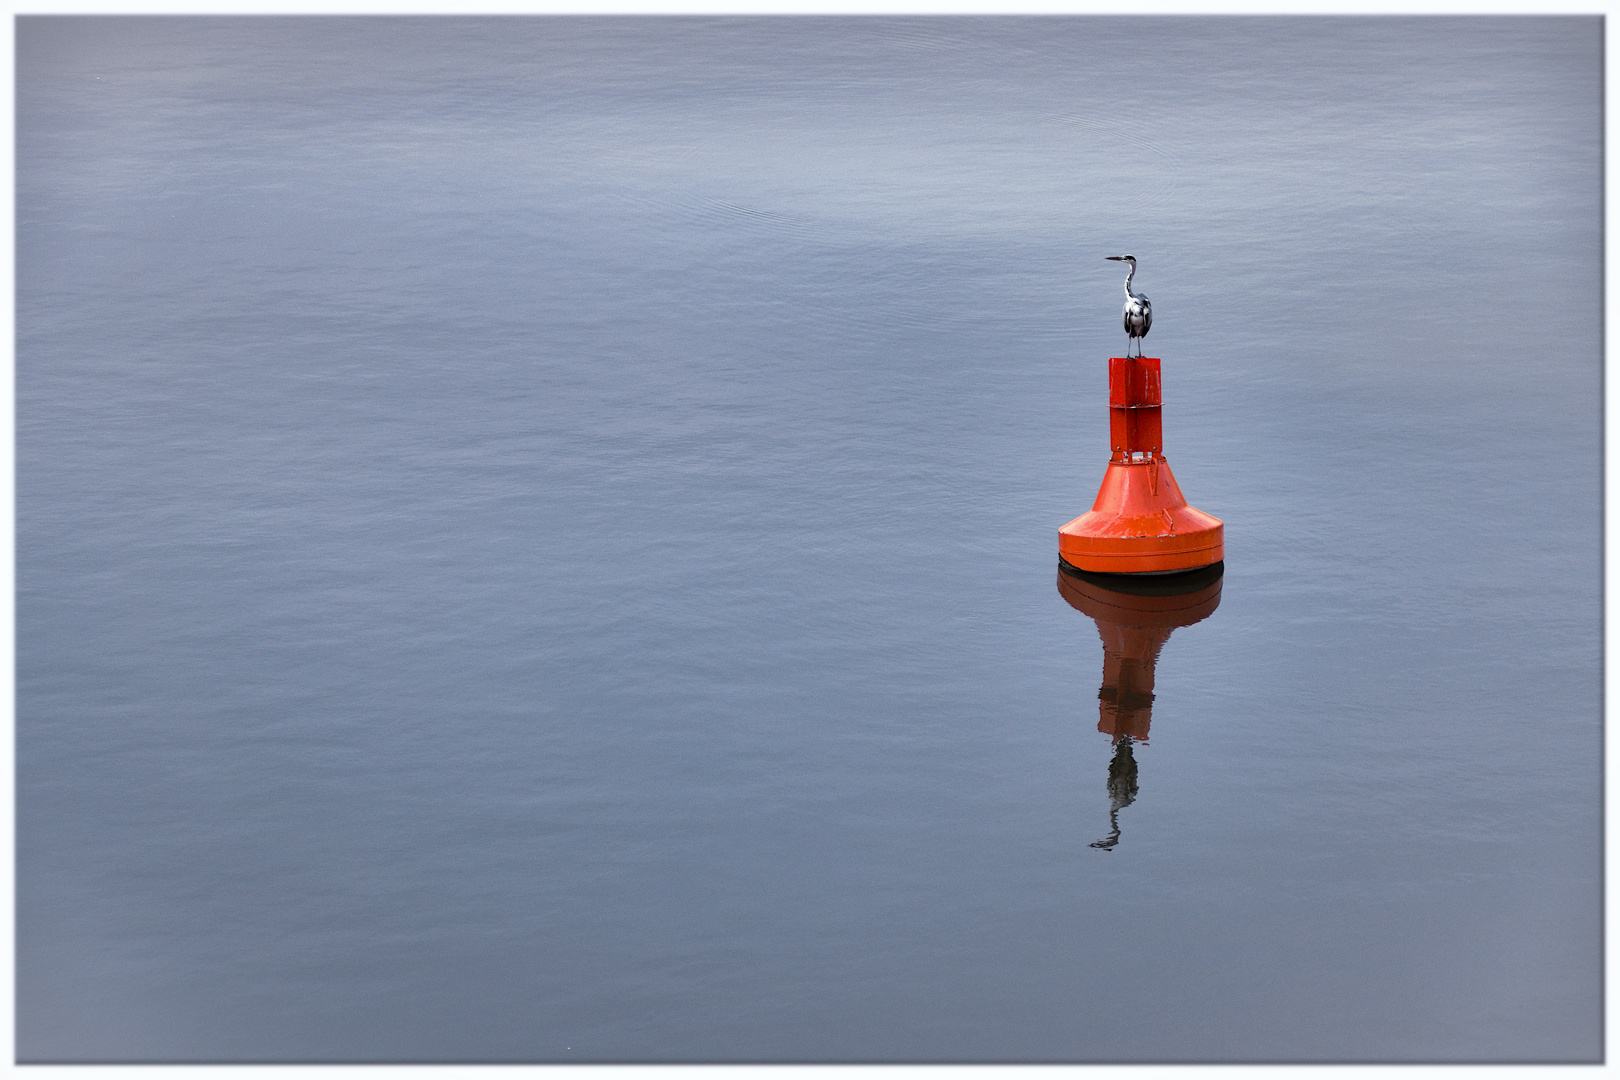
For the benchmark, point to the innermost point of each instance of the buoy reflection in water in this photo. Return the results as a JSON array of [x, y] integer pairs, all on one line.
[[1135, 617]]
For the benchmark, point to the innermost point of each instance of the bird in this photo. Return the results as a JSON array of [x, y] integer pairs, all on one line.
[[1138, 313]]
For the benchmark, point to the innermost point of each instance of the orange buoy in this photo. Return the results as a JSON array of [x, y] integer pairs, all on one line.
[[1140, 523]]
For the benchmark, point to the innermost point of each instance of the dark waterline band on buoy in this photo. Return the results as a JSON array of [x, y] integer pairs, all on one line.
[[1168, 583], [1140, 522]]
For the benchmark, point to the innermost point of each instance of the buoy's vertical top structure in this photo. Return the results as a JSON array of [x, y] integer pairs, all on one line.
[[1140, 522], [1135, 407]]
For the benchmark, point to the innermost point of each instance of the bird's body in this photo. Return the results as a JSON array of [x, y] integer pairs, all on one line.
[[1138, 313]]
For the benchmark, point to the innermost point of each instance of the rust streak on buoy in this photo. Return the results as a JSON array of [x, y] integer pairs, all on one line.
[[1140, 522]]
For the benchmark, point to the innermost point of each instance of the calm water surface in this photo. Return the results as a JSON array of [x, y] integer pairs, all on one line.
[[537, 539]]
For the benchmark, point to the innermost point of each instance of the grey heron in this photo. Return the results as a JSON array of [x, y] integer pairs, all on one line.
[[1138, 314]]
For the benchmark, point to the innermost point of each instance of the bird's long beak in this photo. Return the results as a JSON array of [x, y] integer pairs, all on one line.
[[1114, 258]]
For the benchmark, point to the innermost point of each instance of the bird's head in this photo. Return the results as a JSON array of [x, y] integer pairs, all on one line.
[[1123, 258]]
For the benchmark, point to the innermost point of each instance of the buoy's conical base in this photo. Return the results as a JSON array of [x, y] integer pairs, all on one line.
[[1141, 524]]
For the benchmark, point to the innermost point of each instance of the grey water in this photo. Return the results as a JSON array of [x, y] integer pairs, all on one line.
[[537, 539]]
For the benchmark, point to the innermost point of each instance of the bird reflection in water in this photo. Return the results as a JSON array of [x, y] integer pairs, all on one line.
[[1135, 614], [1121, 790]]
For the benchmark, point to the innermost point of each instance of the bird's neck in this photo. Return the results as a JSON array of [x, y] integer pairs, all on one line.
[[1129, 274]]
